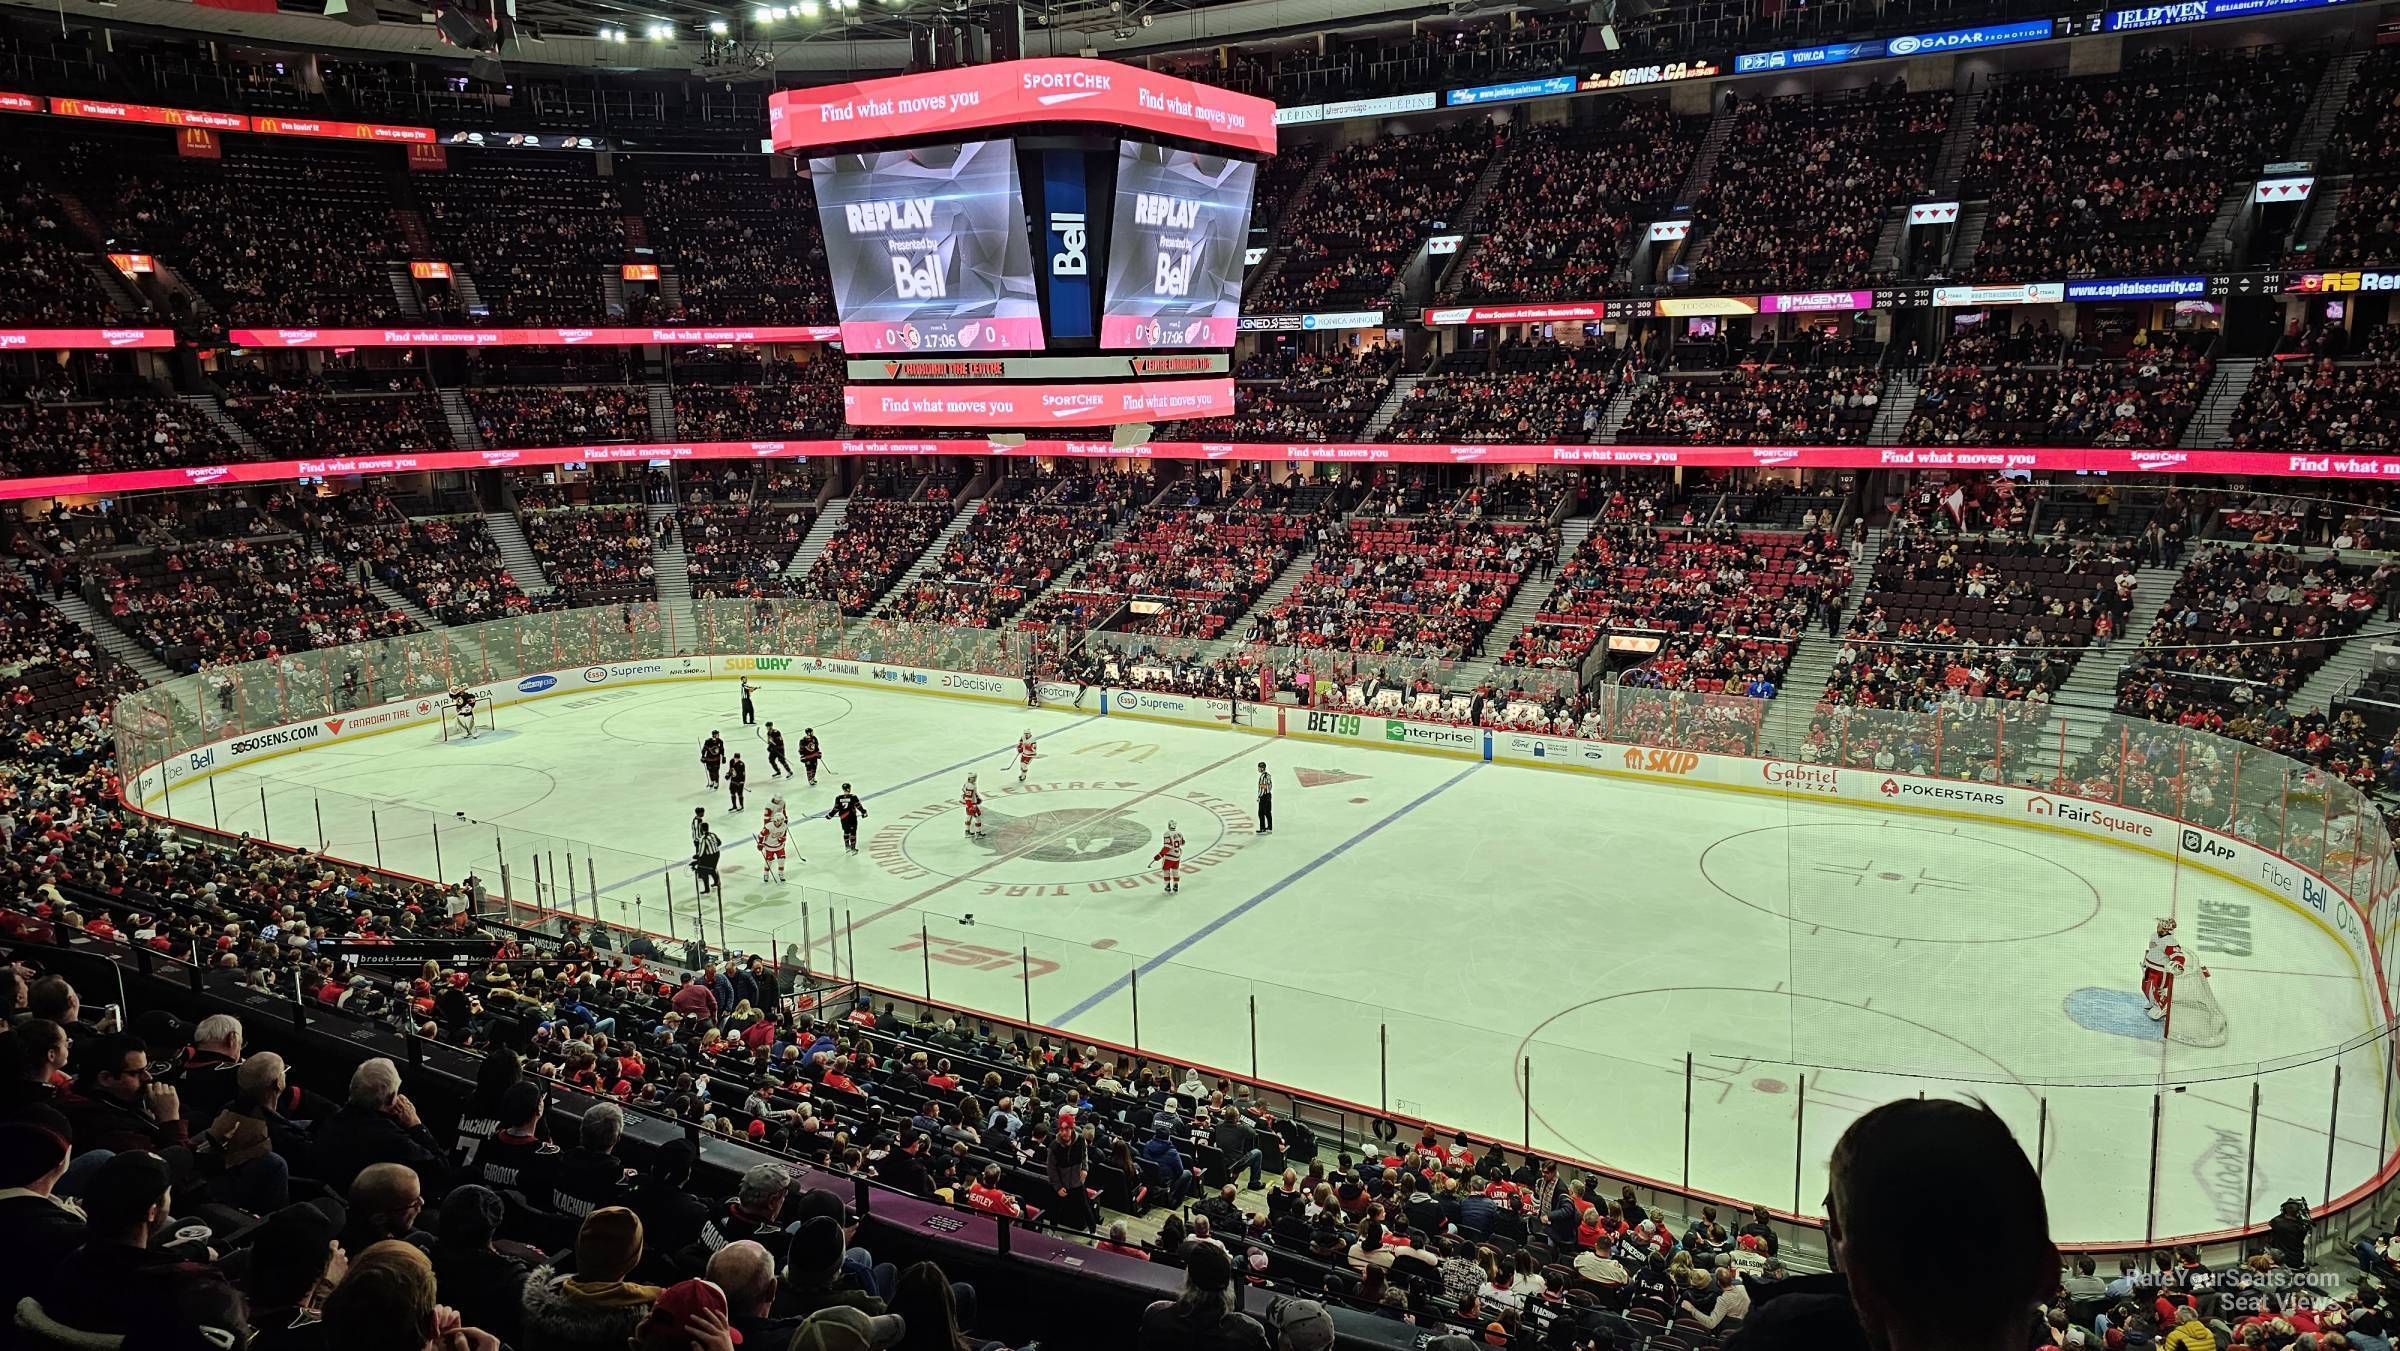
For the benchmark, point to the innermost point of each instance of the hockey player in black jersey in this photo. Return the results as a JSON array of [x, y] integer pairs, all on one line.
[[848, 810]]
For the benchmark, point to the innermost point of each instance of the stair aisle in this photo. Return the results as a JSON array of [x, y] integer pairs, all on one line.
[[1811, 666], [925, 561], [509, 536], [674, 573], [827, 525]]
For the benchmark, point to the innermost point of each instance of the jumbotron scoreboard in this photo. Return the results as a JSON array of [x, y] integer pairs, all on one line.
[[1043, 243]]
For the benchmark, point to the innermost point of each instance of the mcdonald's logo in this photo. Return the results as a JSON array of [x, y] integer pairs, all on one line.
[[1137, 751], [198, 143]]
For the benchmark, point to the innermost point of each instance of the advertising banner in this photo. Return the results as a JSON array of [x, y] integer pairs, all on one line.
[[928, 249], [1011, 93], [1062, 405], [1816, 302], [82, 339], [686, 336], [1175, 247]]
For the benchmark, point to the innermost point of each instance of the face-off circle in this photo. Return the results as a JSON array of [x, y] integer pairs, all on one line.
[[1064, 837]]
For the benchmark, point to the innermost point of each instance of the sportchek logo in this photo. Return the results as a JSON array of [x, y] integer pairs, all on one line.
[[208, 475], [1941, 792], [1660, 762], [281, 736], [122, 337]]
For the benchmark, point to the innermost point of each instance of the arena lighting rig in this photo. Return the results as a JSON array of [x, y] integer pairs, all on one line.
[[1118, 306]]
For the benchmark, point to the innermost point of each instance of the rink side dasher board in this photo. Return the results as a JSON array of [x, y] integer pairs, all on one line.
[[2232, 860]]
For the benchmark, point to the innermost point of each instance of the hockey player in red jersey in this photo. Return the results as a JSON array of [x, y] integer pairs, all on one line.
[[971, 798], [2160, 965], [1169, 858], [1025, 753], [774, 841]]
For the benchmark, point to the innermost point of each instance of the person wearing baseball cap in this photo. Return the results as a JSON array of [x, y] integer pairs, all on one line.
[[685, 1312], [1300, 1325], [843, 1328], [1205, 1315]]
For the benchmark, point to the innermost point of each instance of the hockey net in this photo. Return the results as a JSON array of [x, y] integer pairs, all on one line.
[[454, 728], [2194, 1017]]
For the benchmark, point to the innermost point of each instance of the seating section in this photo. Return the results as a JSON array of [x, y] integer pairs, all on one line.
[[2365, 231], [45, 273], [1344, 247], [50, 670], [1563, 213], [740, 527], [296, 424], [2307, 405], [449, 565], [1289, 395], [130, 432], [536, 233], [2240, 634], [878, 540], [1209, 560], [1522, 392], [746, 246], [1727, 605], [206, 603], [1757, 405], [1804, 186], [2141, 399], [1017, 546], [1991, 614], [530, 416], [2119, 175], [1428, 586], [596, 555], [797, 398]]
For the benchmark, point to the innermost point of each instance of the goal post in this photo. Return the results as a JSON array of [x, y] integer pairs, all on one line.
[[2194, 1017]]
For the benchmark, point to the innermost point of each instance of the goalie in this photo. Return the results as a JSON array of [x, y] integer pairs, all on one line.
[[2164, 961], [462, 710]]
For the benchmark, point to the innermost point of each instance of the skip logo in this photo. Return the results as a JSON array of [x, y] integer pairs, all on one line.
[[2206, 846]]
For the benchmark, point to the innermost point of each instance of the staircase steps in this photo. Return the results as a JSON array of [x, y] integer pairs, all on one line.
[[1390, 407], [1803, 685], [662, 410], [2214, 417], [115, 641], [673, 572], [1523, 608], [210, 407], [523, 564], [404, 291], [1900, 390], [461, 418], [820, 533], [398, 600], [927, 561]]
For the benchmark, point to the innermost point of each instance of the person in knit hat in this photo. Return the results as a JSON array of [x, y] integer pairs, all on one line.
[[593, 1307]]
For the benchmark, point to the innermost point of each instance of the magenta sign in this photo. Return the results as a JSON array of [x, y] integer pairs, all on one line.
[[1816, 302]]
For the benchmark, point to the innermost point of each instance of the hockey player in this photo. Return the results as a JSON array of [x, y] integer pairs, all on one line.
[[774, 840], [810, 753], [1169, 858], [849, 811], [777, 766], [712, 757], [737, 778], [2160, 965], [462, 707], [971, 798], [1025, 753]]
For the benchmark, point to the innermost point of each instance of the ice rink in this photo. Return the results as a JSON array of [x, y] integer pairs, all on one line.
[[1520, 952]]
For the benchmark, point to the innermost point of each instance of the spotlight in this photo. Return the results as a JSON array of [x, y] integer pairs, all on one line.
[[718, 28], [662, 32], [809, 9], [763, 15]]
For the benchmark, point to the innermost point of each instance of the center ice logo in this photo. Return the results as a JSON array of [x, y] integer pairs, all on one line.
[[1067, 835]]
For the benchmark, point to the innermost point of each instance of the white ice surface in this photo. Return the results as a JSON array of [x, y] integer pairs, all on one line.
[[1429, 933]]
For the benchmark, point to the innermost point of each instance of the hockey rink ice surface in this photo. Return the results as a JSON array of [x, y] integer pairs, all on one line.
[[1434, 934]]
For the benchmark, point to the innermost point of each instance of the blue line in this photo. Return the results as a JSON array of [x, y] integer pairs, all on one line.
[[1260, 899], [928, 774]]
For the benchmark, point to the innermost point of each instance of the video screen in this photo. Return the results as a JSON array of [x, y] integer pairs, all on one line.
[[1175, 248], [928, 249]]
